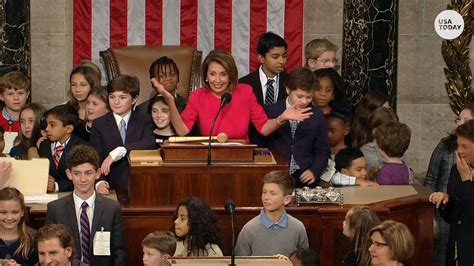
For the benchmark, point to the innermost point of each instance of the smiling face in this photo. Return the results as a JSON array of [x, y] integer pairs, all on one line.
[[95, 107], [51, 253], [300, 97], [181, 224], [218, 78], [11, 213], [83, 177], [27, 122], [358, 169], [121, 103], [160, 114], [80, 88]]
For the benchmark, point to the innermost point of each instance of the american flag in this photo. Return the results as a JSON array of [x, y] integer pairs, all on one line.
[[234, 25]]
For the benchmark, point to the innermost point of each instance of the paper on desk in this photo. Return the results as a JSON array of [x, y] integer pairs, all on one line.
[[29, 176], [223, 144], [40, 199]]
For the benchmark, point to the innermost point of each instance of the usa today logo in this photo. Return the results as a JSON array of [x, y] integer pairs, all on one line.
[[449, 24]]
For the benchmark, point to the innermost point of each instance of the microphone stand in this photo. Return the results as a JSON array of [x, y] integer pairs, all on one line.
[[225, 99], [230, 208]]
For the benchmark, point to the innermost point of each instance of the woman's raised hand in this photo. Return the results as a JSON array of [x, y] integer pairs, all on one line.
[[161, 90], [294, 113]]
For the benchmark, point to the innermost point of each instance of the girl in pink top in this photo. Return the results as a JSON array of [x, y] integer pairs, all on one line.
[[219, 73]]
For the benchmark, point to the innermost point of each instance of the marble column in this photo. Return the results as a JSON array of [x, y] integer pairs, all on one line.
[[14, 36], [369, 61]]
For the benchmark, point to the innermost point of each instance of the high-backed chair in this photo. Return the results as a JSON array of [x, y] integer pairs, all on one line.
[[136, 60]]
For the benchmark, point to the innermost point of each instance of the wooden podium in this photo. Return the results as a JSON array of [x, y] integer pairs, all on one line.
[[225, 261], [171, 182]]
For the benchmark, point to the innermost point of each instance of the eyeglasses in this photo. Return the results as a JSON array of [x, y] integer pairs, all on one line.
[[327, 60], [377, 244]]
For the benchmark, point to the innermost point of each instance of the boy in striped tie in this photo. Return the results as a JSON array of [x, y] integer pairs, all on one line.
[[89, 215], [60, 122]]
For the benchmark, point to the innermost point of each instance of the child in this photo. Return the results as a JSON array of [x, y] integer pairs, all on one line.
[[303, 144], [351, 169], [55, 246], [338, 128], [195, 227], [393, 139], [82, 79], [371, 101], [115, 134], [160, 114], [158, 247], [273, 231], [375, 160], [30, 117], [356, 226], [16, 239], [88, 214], [330, 93], [320, 53], [97, 105], [60, 125], [166, 72], [14, 91]]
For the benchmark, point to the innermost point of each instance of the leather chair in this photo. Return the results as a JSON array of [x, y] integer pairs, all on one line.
[[136, 60]]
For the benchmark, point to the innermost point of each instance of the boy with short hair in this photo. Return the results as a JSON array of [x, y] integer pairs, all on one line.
[[351, 169], [158, 247], [303, 144], [273, 231], [87, 214], [60, 123], [14, 91], [268, 81], [118, 132], [393, 139], [320, 53]]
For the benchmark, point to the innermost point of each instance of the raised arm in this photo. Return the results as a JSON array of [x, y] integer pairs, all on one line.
[[176, 120]]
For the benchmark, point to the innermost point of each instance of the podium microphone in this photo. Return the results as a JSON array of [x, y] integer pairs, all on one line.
[[225, 99], [229, 206]]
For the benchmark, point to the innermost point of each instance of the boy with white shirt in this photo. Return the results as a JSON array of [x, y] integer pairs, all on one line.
[[115, 134], [88, 214]]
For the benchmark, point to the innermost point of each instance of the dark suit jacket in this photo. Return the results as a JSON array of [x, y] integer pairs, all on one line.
[[59, 173], [459, 213], [253, 79], [106, 214], [105, 137], [310, 147]]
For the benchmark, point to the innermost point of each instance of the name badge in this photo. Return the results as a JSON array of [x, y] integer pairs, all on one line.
[[101, 245]]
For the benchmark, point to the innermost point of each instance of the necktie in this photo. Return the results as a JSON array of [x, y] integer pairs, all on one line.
[[57, 154], [85, 233], [270, 94], [123, 130], [293, 165]]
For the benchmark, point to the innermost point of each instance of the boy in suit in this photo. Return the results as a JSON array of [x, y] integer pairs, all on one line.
[[118, 132], [60, 123], [304, 144], [88, 215], [269, 79], [273, 231]]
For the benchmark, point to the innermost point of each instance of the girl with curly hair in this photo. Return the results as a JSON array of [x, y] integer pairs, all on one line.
[[195, 227]]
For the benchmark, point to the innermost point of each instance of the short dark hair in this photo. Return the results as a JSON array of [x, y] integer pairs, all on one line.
[[345, 157], [59, 231], [161, 65], [80, 154], [125, 83], [281, 178], [301, 78], [393, 138], [466, 130], [163, 241], [337, 116], [307, 256], [268, 41], [156, 99], [64, 113]]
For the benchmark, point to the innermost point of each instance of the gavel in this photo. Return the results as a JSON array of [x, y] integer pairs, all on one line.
[[221, 138]]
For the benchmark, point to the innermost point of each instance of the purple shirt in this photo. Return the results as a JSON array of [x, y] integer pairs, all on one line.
[[394, 174]]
